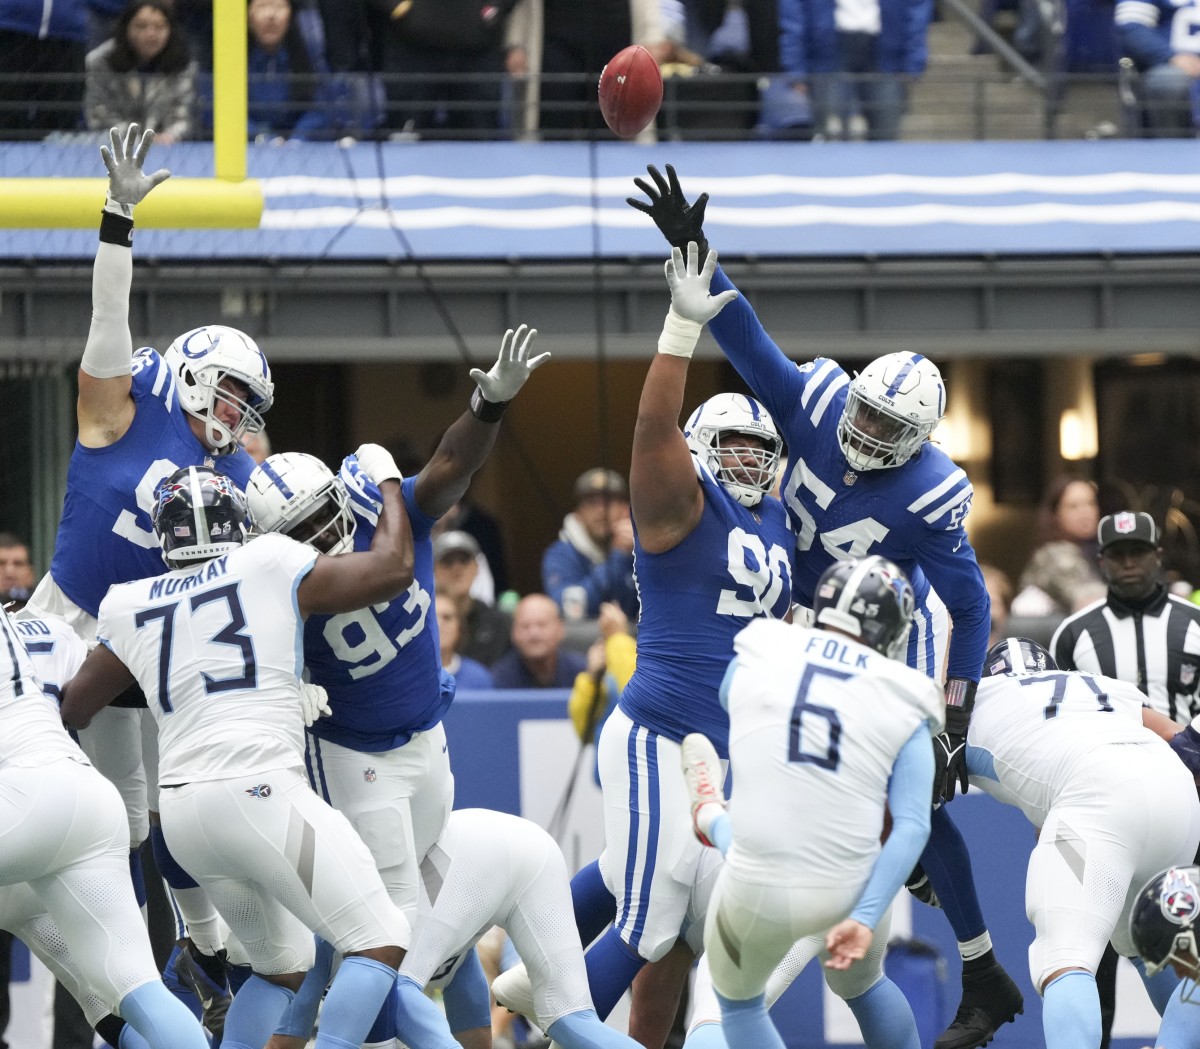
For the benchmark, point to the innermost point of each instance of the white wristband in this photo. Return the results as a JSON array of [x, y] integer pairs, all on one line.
[[679, 335]]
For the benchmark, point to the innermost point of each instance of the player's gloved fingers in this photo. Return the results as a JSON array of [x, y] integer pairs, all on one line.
[[710, 267], [525, 335], [538, 361], [158, 178], [659, 181], [693, 259], [107, 157], [130, 145], [673, 181], [641, 205], [114, 137], [644, 186], [719, 302], [479, 376], [697, 212], [506, 345], [143, 146]]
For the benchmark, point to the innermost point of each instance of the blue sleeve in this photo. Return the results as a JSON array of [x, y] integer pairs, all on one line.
[[949, 563], [420, 522], [1147, 46], [467, 997], [909, 791], [775, 380], [300, 1017], [793, 56]]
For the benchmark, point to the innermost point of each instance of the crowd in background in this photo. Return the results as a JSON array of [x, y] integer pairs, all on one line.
[[330, 69]]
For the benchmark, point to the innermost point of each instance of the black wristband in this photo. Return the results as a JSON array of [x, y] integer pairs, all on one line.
[[484, 410], [115, 229], [961, 693]]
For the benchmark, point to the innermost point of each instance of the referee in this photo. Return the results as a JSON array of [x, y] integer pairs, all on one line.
[[1138, 633]]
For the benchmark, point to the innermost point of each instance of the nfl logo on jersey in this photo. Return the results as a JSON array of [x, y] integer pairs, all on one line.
[[263, 790], [369, 775]]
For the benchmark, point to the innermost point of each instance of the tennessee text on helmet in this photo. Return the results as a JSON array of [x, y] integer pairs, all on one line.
[[298, 495], [198, 514], [205, 357], [871, 599], [727, 415], [892, 406], [1017, 655], [1162, 923]]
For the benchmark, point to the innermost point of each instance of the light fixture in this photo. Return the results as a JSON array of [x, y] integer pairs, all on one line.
[[1076, 436]]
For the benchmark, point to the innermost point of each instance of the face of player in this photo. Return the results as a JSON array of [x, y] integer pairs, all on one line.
[[1131, 569], [315, 529], [1078, 513], [740, 458], [878, 425], [537, 627], [269, 21], [148, 34], [225, 409], [15, 567]]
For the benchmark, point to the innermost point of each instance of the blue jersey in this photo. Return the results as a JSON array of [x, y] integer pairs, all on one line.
[[105, 535], [381, 665], [911, 514], [733, 567], [1151, 31]]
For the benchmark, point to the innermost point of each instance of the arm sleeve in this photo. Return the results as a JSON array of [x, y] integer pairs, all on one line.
[[774, 379], [948, 561], [908, 799], [109, 349]]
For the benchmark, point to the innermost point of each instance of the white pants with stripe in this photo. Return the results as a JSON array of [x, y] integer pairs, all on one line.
[[64, 868], [651, 855], [397, 800], [279, 864]]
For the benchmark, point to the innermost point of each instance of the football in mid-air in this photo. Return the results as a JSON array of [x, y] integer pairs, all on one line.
[[631, 91]]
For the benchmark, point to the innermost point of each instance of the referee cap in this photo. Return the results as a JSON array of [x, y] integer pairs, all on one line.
[[1127, 527]]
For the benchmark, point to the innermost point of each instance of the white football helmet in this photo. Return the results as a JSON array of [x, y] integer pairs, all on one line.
[[893, 405], [201, 359], [298, 495], [733, 413]]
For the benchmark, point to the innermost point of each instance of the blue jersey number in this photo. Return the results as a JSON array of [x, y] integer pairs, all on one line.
[[230, 634], [359, 639], [831, 729], [1059, 681]]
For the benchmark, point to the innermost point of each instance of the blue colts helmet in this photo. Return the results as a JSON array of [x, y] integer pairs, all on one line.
[[728, 415], [892, 407], [298, 495]]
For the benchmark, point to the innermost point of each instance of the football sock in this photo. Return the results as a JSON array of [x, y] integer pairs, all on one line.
[[300, 1017], [948, 867], [109, 1028], [747, 1025], [583, 1030], [130, 1039], [161, 1019], [254, 1014], [352, 1002], [1179, 1028], [885, 1018], [138, 876], [467, 998], [611, 967], [419, 1022], [383, 1030], [595, 907], [707, 1036], [1071, 1011], [720, 832], [1161, 986]]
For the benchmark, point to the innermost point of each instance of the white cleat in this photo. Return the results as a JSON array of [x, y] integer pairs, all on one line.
[[702, 773], [513, 990]]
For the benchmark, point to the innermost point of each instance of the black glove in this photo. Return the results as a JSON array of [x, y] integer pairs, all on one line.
[[918, 885], [676, 219], [950, 755]]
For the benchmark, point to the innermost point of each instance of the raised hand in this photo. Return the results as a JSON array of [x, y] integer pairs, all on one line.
[[689, 285], [513, 367], [127, 184], [677, 220]]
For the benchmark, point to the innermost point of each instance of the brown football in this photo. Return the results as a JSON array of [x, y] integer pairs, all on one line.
[[631, 91]]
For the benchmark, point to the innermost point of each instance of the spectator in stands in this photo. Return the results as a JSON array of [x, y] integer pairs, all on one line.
[[853, 59], [1062, 574], [468, 673], [487, 629], [468, 516], [1159, 36], [538, 658], [290, 95], [593, 555], [574, 36], [443, 61], [143, 75], [16, 569], [41, 38], [611, 660]]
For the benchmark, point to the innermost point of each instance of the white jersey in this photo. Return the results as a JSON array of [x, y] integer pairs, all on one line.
[[816, 723], [56, 651], [31, 731], [217, 648], [1030, 733]]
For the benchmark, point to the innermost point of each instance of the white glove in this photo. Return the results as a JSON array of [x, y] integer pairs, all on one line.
[[377, 463], [512, 367], [314, 702], [127, 185], [690, 299]]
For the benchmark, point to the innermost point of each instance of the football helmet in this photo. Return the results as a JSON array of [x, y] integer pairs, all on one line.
[[1017, 655], [725, 415], [893, 405], [870, 598], [1162, 923], [198, 514], [298, 495], [201, 359]]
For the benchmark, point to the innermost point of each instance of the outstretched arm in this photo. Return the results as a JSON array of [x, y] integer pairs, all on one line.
[[466, 445], [105, 408], [665, 497]]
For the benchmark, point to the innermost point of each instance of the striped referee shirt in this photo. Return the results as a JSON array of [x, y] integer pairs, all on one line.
[[1155, 646]]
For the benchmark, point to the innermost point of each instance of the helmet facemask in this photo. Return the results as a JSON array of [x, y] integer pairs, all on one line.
[[891, 409], [297, 495], [327, 525], [718, 422]]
